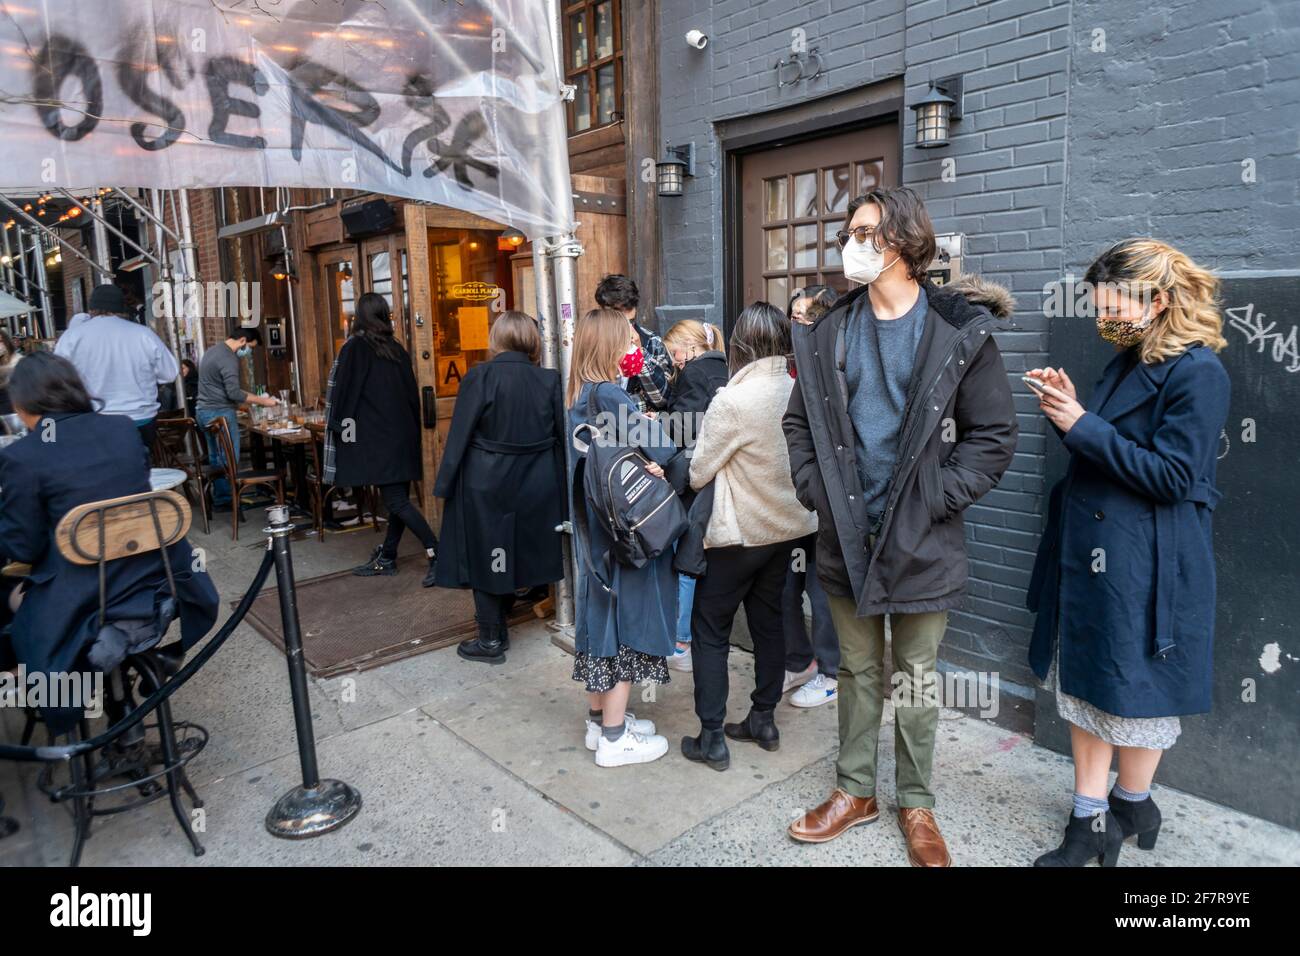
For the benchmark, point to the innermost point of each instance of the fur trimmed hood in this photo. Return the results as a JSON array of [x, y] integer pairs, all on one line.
[[981, 291]]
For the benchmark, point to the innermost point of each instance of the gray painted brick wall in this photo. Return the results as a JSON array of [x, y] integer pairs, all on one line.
[[1061, 151]]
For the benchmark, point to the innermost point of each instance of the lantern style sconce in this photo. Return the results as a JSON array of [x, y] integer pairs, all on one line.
[[512, 239], [679, 162], [935, 111]]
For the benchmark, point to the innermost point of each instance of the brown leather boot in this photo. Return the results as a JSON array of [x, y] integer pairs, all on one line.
[[925, 846], [839, 812]]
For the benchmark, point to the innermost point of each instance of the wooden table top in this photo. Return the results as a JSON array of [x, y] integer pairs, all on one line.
[[299, 436]]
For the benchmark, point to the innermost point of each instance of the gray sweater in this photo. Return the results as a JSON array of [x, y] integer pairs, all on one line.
[[219, 379], [879, 357]]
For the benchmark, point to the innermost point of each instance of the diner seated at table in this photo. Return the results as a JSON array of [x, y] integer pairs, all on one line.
[[72, 456]]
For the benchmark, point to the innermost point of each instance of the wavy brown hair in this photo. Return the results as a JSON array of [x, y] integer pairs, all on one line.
[[600, 340], [1140, 268], [905, 226]]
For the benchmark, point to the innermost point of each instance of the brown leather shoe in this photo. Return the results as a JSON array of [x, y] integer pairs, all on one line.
[[925, 846], [839, 812]]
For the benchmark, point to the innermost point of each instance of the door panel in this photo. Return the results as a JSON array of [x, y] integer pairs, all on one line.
[[793, 201]]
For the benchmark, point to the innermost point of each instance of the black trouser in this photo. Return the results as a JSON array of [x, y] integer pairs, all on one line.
[[825, 644], [754, 577], [492, 610], [403, 514], [148, 435]]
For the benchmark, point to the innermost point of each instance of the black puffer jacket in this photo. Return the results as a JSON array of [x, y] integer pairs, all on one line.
[[919, 559]]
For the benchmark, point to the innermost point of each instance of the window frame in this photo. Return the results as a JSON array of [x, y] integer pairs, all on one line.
[[593, 64]]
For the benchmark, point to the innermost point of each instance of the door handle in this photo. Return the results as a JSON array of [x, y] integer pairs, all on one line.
[[429, 403]]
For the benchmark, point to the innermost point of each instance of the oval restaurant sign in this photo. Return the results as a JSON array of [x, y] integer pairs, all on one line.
[[474, 291]]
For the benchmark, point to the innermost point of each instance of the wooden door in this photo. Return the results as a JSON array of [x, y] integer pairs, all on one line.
[[793, 201]]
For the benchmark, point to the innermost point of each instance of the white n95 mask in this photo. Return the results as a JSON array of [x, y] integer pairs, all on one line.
[[862, 261]]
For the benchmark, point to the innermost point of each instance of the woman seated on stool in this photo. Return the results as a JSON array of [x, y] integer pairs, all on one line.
[[72, 456]]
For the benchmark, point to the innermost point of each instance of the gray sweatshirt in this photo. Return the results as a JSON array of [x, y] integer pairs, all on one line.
[[219, 379]]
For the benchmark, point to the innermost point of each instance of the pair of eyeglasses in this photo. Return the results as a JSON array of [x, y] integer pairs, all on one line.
[[863, 235]]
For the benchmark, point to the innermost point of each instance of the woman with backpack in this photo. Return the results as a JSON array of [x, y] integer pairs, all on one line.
[[755, 523], [628, 622], [700, 369]]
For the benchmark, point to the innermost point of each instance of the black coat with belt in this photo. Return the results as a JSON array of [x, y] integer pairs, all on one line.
[[503, 479], [918, 562], [375, 417], [92, 457]]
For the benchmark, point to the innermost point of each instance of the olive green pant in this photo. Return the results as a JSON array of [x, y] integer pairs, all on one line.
[[915, 641]]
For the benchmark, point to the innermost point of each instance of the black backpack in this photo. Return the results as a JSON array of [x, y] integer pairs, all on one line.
[[640, 512]]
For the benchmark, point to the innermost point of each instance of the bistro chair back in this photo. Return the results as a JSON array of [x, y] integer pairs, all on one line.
[[99, 533], [241, 479], [180, 445]]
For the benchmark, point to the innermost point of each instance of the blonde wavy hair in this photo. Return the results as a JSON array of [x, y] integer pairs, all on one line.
[[600, 340], [691, 334], [1142, 267]]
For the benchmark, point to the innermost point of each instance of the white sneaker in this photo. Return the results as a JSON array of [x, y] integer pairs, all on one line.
[[795, 679], [630, 748], [643, 727], [680, 659], [820, 690]]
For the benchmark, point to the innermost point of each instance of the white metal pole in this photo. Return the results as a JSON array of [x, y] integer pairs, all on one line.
[[191, 261], [42, 280]]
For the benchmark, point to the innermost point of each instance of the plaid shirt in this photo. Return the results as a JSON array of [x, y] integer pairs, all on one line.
[[650, 388], [327, 467]]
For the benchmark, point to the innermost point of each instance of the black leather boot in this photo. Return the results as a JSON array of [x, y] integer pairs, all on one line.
[[1141, 817], [485, 649], [1086, 838], [378, 564], [709, 747], [759, 727], [430, 575]]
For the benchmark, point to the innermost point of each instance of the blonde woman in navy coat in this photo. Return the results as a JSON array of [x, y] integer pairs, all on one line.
[[1124, 579]]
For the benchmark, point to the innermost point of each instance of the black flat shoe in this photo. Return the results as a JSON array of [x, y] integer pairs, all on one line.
[[1141, 817], [484, 649], [759, 728], [431, 574], [1087, 838], [378, 564], [710, 747]]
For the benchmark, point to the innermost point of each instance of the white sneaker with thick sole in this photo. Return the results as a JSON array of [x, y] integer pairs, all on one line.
[[820, 690], [795, 679], [630, 748], [680, 659], [643, 727]]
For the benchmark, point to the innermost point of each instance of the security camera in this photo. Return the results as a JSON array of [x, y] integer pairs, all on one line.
[[697, 39]]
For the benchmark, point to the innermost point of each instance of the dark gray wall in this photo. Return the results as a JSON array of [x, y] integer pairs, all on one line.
[[1062, 150]]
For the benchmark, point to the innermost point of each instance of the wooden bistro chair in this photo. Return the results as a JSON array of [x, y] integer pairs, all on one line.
[[241, 479], [96, 534], [180, 446]]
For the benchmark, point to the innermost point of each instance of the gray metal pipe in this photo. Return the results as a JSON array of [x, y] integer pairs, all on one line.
[[101, 220], [107, 273]]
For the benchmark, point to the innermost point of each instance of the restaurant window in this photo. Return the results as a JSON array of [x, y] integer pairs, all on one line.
[[593, 63]]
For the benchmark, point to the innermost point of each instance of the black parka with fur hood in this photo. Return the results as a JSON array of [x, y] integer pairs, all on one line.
[[957, 437]]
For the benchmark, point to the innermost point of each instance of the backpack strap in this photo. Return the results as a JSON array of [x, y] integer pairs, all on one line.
[[602, 565]]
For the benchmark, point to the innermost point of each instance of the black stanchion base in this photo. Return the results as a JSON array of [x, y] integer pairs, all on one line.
[[304, 812]]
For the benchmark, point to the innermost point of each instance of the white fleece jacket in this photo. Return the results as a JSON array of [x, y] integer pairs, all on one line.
[[741, 444]]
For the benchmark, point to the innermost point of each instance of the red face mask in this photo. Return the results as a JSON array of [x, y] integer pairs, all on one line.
[[632, 363]]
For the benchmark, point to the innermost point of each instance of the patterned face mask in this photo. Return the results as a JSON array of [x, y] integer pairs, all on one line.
[[1122, 333]]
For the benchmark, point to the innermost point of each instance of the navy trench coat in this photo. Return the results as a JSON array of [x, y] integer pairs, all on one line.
[[643, 617], [1124, 577]]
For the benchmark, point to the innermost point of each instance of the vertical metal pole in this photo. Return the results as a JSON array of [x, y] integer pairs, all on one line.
[[191, 262], [102, 253], [549, 326], [21, 259], [42, 280], [317, 806], [293, 311], [564, 255], [156, 213]]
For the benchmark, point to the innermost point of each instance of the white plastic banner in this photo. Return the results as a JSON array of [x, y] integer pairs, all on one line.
[[456, 102]]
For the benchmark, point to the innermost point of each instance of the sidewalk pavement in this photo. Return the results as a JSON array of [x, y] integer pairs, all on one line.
[[462, 763]]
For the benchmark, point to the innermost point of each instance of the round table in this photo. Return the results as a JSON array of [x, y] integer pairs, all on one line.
[[164, 479]]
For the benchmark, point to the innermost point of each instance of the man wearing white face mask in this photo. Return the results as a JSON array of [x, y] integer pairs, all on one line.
[[220, 395], [901, 419]]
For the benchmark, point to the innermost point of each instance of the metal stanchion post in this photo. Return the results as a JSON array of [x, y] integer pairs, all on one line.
[[317, 806]]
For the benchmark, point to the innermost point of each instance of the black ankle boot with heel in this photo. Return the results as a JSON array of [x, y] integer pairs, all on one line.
[[709, 747], [759, 728], [1087, 838], [1140, 817]]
